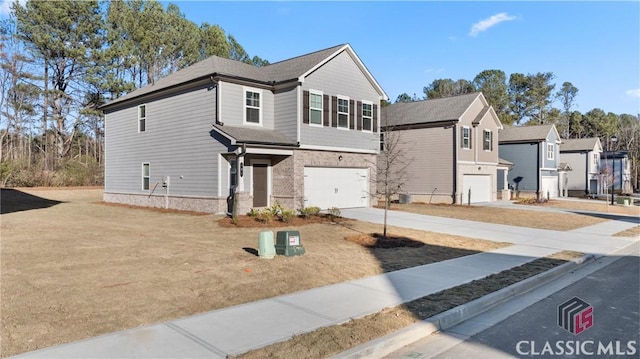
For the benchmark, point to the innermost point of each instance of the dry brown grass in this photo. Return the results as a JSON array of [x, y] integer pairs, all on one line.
[[513, 217], [631, 232], [73, 268], [596, 206], [328, 341]]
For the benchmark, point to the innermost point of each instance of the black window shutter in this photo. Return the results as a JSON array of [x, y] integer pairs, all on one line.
[[375, 118], [359, 115], [352, 114], [334, 111], [305, 106], [325, 110]]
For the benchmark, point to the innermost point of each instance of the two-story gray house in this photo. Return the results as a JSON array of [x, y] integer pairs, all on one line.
[[534, 154], [583, 155], [449, 145], [303, 132]]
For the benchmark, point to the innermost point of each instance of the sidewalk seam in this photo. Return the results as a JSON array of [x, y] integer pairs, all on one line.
[[195, 339]]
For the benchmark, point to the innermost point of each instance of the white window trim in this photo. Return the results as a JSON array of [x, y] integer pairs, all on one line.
[[269, 177], [142, 176], [140, 117], [468, 147], [362, 115], [552, 152], [338, 112], [321, 94], [245, 106], [484, 139]]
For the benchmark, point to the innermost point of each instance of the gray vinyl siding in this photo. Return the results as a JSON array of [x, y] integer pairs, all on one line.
[[429, 153], [524, 157], [177, 142], [232, 105], [286, 113], [576, 178], [341, 76]]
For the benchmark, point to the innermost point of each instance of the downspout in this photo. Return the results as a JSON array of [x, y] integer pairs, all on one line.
[[586, 175], [539, 177], [239, 172], [455, 164]]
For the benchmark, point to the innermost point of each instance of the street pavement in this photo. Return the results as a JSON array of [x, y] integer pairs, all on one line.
[[237, 329], [529, 326]]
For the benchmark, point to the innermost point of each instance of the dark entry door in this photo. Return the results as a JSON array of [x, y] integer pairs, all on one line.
[[260, 190]]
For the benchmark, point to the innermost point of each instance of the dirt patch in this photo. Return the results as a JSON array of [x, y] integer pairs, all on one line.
[[328, 341], [72, 268], [512, 217], [631, 232]]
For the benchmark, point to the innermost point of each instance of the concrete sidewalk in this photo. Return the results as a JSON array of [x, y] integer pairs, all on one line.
[[241, 328]]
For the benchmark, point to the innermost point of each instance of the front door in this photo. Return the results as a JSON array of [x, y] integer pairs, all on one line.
[[260, 185]]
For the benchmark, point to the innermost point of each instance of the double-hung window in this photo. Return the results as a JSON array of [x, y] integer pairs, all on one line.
[[466, 137], [487, 143], [315, 108], [145, 176], [367, 116], [550, 151], [343, 113], [142, 118], [252, 107]]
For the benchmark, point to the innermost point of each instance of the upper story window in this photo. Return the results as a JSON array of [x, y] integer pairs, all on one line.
[[550, 151], [487, 143], [142, 118], [466, 137], [145, 177], [382, 143], [252, 107], [367, 116], [596, 160], [315, 108], [343, 113]]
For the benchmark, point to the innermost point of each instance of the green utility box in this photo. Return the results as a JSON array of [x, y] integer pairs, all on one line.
[[266, 248], [288, 243]]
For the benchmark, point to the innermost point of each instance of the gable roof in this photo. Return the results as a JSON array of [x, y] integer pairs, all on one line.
[[294, 69], [580, 144], [526, 133], [428, 111]]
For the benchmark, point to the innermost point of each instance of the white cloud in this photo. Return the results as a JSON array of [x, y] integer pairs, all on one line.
[[633, 93], [486, 24]]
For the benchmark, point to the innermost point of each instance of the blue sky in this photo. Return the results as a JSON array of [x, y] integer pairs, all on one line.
[[406, 45]]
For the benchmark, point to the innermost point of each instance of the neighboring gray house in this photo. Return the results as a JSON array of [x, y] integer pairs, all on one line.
[[450, 145], [583, 155], [616, 162], [303, 132], [533, 150]]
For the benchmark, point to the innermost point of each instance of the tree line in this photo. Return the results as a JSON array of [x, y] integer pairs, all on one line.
[[529, 100], [61, 60]]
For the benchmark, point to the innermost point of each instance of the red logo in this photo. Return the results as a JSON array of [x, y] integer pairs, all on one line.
[[575, 315]]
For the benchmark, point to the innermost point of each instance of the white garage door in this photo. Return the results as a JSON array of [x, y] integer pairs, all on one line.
[[480, 186], [327, 187], [549, 187]]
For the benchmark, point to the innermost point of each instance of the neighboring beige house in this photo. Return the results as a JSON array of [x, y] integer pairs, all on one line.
[[450, 145], [583, 155]]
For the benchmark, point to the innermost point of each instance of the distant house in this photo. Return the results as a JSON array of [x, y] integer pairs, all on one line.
[[302, 132], [451, 147], [534, 153], [616, 162], [583, 155]]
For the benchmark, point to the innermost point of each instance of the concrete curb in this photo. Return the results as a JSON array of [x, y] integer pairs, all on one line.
[[389, 343]]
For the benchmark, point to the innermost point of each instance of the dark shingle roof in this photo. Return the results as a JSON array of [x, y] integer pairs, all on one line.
[[280, 71], [525, 133], [254, 135], [579, 144], [425, 111]]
